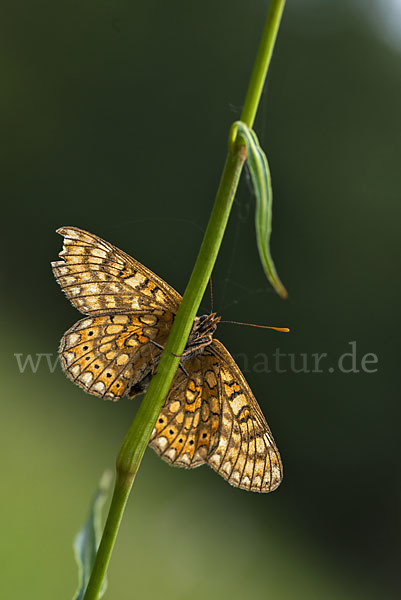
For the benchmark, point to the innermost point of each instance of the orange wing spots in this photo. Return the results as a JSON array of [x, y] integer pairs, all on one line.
[[95, 355]]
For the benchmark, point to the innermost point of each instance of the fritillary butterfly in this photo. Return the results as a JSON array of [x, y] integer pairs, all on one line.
[[210, 414]]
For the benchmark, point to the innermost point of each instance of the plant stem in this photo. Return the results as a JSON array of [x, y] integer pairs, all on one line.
[[122, 488], [138, 435], [262, 62], [137, 438]]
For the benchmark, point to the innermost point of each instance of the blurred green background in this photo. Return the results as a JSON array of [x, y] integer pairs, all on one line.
[[114, 118]]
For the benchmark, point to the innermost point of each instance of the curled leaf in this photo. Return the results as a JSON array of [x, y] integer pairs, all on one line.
[[261, 181]]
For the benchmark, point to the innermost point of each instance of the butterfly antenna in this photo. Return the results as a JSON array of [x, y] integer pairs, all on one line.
[[211, 293], [281, 329]]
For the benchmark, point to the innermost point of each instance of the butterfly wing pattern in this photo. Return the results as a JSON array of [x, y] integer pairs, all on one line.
[[99, 279], [108, 355], [127, 306], [210, 415]]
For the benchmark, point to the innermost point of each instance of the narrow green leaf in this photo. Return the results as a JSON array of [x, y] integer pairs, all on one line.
[[87, 539], [261, 180]]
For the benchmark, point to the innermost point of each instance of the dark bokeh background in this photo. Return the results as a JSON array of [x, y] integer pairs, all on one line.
[[115, 118]]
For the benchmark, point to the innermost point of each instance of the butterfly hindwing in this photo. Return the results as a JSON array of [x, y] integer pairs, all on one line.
[[187, 429], [107, 355], [98, 278]]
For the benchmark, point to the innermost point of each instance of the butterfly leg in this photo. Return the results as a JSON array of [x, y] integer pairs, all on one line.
[[153, 363], [156, 344], [184, 370], [176, 355]]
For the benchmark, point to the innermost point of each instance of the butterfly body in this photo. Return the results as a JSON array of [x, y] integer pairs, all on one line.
[[201, 335], [210, 414]]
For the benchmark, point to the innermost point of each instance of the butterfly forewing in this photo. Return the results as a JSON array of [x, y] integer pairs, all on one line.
[[98, 278], [247, 455], [211, 416]]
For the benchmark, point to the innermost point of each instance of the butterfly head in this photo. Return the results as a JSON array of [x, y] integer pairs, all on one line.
[[201, 334], [206, 324]]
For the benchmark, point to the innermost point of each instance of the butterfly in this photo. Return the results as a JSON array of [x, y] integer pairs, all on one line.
[[210, 414]]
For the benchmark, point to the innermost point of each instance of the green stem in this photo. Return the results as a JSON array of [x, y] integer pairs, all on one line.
[[137, 438], [122, 488], [262, 62], [139, 433]]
